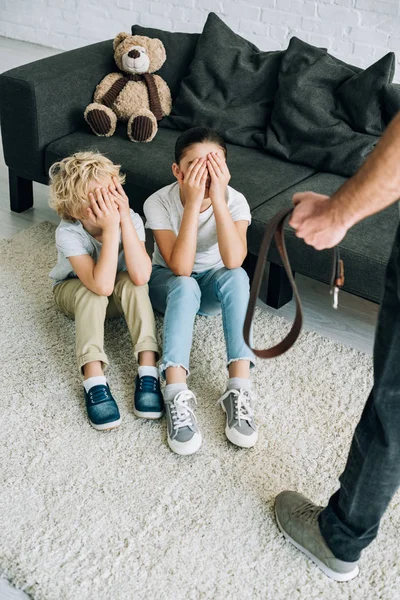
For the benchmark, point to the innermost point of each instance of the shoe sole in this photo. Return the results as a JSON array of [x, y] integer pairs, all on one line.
[[340, 577], [243, 441], [185, 448], [106, 426], [147, 415]]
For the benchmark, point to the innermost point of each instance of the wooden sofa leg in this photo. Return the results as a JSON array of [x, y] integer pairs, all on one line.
[[21, 192], [279, 290]]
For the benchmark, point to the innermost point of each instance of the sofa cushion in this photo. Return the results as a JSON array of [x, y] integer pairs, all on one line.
[[256, 174], [326, 113], [230, 87], [180, 48], [365, 249]]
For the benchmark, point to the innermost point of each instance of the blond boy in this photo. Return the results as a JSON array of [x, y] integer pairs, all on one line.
[[102, 271]]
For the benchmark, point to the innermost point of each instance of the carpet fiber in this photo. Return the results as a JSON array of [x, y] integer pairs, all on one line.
[[118, 516]]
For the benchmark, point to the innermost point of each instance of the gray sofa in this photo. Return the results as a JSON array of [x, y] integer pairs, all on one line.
[[41, 109]]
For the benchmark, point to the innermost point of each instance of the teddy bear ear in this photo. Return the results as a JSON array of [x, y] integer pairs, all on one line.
[[157, 54], [120, 38]]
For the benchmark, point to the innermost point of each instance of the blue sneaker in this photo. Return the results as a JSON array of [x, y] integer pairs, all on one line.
[[148, 401], [102, 409]]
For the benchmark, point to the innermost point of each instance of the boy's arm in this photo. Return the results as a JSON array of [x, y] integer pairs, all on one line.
[[138, 262], [231, 234], [100, 278]]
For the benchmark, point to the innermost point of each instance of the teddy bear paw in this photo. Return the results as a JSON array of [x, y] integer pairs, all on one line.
[[101, 119], [142, 128]]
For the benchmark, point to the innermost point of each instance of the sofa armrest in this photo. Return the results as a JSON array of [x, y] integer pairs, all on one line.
[[45, 100]]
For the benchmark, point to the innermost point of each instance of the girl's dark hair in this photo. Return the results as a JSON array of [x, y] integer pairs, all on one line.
[[197, 135]]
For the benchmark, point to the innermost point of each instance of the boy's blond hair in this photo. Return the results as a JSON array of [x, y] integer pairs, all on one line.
[[70, 179]]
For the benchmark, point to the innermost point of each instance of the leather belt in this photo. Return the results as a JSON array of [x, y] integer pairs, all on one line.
[[275, 228]]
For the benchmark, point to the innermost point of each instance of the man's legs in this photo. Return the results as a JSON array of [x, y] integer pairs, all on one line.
[[350, 522]]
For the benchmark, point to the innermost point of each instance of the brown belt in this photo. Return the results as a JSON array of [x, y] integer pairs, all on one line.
[[275, 228]]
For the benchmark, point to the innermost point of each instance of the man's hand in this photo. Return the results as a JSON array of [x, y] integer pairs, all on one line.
[[103, 211], [117, 194], [219, 174], [193, 184], [315, 220]]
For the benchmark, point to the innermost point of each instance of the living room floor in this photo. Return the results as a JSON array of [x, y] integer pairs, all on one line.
[[353, 324]]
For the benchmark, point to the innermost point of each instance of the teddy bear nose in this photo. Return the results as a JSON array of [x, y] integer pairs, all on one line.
[[134, 54]]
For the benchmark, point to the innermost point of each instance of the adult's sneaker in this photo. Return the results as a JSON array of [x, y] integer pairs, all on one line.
[[148, 401], [101, 407], [240, 428], [183, 434], [297, 518]]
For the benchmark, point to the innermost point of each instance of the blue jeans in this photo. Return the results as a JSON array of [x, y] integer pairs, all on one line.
[[351, 520], [180, 298]]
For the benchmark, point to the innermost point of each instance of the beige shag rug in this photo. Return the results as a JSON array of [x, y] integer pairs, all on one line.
[[117, 515]]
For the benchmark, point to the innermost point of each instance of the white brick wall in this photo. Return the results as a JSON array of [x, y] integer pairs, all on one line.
[[357, 31]]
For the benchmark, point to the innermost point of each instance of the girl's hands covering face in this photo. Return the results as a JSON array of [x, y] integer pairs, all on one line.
[[193, 183], [219, 175]]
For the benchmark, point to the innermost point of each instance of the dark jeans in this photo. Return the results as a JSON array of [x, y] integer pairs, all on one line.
[[350, 522]]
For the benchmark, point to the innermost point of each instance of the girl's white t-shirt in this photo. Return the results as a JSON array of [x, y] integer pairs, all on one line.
[[164, 210]]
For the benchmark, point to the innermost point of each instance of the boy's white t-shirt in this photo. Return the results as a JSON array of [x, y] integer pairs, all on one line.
[[164, 210], [72, 239]]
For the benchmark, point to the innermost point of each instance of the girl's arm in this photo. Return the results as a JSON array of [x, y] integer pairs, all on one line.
[[100, 278], [231, 234], [137, 260], [179, 252]]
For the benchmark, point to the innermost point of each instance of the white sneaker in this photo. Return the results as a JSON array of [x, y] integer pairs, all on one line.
[[183, 435], [240, 428]]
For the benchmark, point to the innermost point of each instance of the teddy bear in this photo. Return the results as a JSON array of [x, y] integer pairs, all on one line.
[[133, 94]]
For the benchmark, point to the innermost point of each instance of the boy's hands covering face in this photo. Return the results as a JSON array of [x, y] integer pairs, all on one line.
[[219, 175], [103, 211], [193, 183], [117, 193]]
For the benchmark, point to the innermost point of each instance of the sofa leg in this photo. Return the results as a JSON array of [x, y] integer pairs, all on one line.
[[279, 289], [21, 192]]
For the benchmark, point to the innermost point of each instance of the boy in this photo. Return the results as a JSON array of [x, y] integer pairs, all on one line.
[[102, 271]]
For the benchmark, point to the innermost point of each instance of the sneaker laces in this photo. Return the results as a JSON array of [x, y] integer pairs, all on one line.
[[308, 512], [181, 412], [242, 404], [147, 383], [99, 393]]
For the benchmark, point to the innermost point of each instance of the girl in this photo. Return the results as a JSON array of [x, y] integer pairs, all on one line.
[[199, 224]]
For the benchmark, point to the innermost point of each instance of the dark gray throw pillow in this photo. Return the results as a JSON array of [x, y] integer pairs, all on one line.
[[180, 49], [230, 87], [327, 114], [391, 101]]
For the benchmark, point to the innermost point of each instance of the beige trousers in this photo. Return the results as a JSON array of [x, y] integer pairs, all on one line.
[[90, 311]]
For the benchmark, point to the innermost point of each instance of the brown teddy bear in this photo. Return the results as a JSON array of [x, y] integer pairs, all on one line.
[[134, 94]]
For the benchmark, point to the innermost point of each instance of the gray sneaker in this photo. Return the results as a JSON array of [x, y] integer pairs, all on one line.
[[184, 436], [297, 518], [240, 428]]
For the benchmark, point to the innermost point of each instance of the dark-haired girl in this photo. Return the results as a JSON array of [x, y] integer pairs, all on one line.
[[199, 224]]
